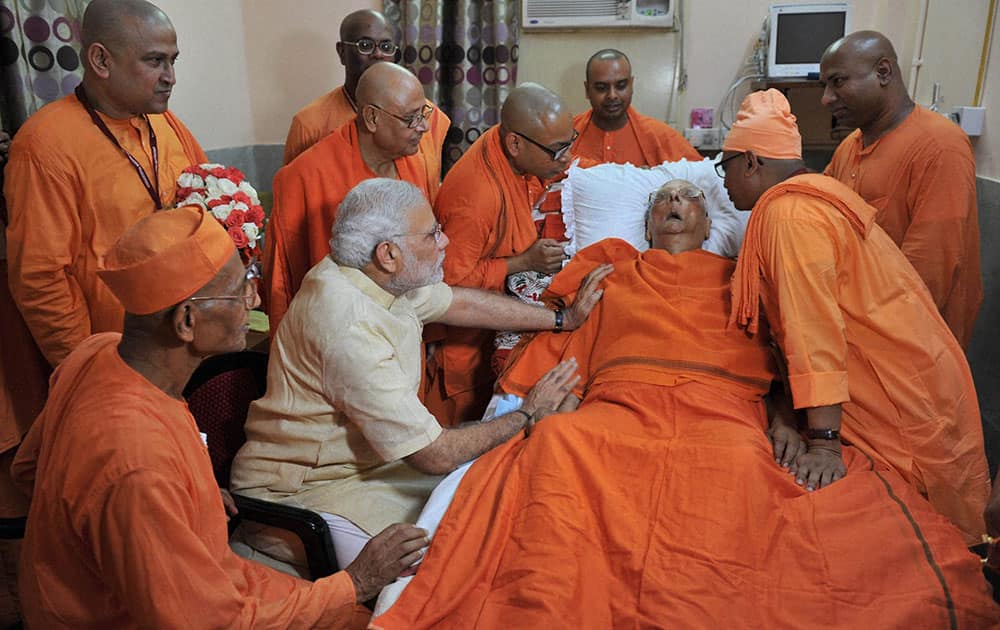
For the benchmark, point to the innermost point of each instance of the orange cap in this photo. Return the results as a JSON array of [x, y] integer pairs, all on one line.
[[165, 258], [766, 126]]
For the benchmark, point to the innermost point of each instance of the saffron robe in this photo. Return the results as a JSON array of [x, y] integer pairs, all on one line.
[[485, 209], [658, 502], [70, 194], [921, 179], [858, 328], [643, 141], [306, 195], [127, 528]]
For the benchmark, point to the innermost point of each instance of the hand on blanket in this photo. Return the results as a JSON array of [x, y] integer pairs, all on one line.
[[550, 392], [820, 466], [546, 255], [586, 298], [385, 557]]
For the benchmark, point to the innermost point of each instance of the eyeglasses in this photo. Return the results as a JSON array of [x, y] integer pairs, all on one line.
[[720, 168], [436, 233], [412, 121], [687, 192], [249, 296], [554, 155], [367, 46]]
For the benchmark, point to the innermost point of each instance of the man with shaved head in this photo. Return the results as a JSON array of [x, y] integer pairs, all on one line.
[[915, 166], [612, 131], [365, 39], [81, 170], [485, 208], [384, 140]]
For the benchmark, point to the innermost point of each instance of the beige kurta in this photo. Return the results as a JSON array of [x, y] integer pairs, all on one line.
[[341, 409]]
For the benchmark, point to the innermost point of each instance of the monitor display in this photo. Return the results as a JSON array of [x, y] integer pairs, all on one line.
[[802, 37]]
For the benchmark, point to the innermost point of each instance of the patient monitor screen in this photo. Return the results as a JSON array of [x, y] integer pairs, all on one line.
[[802, 37]]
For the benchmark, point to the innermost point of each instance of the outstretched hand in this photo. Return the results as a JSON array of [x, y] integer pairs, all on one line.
[[385, 557], [586, 298], [819, 467], [550, 392]]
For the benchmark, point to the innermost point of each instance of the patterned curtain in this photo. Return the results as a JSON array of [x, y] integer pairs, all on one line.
[[465, 54], [39, 55]]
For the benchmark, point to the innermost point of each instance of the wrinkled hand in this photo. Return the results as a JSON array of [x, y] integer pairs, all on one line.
[[546, 255], [819, 467], [386, 555], [586, 298], [786, 443], [550, 392], [228, 504]]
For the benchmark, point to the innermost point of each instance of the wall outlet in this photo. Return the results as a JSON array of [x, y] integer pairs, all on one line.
[[971, 119], [705, 139]]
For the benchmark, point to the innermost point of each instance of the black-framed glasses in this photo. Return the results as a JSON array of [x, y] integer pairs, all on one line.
[[412, 121], [367, 46], [554, 154], [436, 233], [249, 296], [665, 194], [720, 168]]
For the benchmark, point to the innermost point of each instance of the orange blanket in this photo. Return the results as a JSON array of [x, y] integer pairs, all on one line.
[[660, 505]]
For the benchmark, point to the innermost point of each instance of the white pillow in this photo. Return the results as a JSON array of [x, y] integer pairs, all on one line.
[[609, 200]]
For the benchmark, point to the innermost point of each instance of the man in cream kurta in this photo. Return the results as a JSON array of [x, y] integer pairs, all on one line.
[[341, 430]]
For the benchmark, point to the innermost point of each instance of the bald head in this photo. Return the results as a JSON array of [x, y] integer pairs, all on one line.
[[863, 86], [387, 83], [608, 54], [359, 23], [530, 107], [113, 22]]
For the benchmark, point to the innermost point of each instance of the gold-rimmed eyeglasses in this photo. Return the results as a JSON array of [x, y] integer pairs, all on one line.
[[413, 120], [249, 296], [436, 233]]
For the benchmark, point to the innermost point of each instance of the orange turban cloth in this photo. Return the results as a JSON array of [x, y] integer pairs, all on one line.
[[766, 126], [165, 258]]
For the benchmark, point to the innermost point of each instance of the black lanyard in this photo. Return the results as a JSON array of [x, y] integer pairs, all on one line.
[[153, 188]]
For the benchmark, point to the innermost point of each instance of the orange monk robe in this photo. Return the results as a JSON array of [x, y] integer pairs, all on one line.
[[329, 112], [70, 194], [921, 178], [858, 328], [306, 195], [643, 141], [485, 209], [127, 528], [658, 502]]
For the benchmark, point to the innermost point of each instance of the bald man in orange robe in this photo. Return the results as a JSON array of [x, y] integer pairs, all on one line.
[[71, 191], [612, 131], [383, 142], [658, 502], [914, 166], [869, 356], [127, 527], [485, 208]]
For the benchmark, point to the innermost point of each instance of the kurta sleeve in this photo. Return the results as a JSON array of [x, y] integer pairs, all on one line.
[[800, 271], [297, 141], [362, 376], [43, 241], [141, 530], [469, 220]]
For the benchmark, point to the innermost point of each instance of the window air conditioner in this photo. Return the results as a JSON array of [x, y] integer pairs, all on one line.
[[572, 14]]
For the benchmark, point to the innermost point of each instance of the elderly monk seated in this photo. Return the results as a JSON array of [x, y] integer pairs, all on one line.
[[126, 527], [658, 502], [341, 430]]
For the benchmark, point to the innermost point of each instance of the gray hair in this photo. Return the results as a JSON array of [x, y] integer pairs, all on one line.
[[374, 211]]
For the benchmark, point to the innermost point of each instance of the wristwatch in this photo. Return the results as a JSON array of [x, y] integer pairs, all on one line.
[[559, 320], [823, 434]]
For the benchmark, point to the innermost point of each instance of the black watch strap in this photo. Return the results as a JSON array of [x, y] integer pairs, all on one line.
[[823, 434]]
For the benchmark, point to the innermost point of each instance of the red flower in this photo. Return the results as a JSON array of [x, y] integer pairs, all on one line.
[[241, 196], [239, 236], [236, 219], [255, 215]]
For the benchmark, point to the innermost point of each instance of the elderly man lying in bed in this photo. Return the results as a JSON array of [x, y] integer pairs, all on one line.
[[658, 501]]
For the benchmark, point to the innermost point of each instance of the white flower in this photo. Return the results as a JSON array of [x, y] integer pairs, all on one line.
[[251, 231], [190, 180], [212, 188], [249, 190], [227, 186], [210, 166], [194, 199], [221, 211], [239, 205]]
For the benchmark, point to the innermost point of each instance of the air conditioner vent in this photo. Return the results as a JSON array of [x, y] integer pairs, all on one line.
[[573, 14]]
